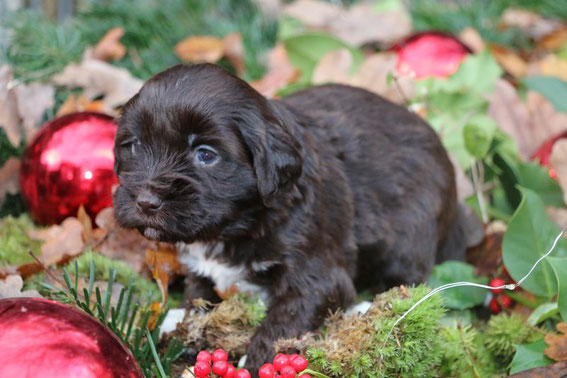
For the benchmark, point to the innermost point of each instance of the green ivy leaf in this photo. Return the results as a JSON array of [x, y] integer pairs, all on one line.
[[535, 177], [554, 90], [478, 134], [559, 266], [529, 356], [543, 312], [459, 298], [477, 74], [528, 175], [529, 236], [306, 50]]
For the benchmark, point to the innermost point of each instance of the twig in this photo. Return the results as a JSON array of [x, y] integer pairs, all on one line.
[[469, 357]]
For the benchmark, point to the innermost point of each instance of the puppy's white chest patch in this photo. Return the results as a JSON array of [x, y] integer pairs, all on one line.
[[202, 259]]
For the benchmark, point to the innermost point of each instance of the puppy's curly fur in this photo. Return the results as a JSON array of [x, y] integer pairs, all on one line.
[[305, 198]]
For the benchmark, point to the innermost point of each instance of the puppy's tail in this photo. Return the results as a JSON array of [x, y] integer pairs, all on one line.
[[467, 232]]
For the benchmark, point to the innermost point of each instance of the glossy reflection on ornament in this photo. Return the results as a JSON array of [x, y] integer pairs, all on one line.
[[69, 163]]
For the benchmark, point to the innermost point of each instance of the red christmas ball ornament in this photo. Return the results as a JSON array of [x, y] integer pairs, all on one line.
[[543, 154], [42, 338], [69, 163], [430, 54]]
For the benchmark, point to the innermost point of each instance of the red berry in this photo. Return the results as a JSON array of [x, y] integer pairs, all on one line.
[[495, 283], [220, 355], [204, 356], [494, 306], [293, 356], [304, 376], [267, 371], [299, 363], [202, 368], [280, 361], [230, 372], [243, 373], [505, 301], [288, 372], [220, 368]]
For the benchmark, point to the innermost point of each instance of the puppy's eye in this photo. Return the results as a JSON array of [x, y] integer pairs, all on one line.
[[206, 155], [130, 144]]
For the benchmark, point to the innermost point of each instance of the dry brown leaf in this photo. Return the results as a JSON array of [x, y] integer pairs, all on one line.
[[487, 256], [529, 123], [61, 242], [109, 47], [558, 216], [534, 25], [270, 8], [85, 220], [233, 50], [121, 244], [200, 49], [11, 287], [558, 370], [549, 65], [558, 161], [472, 39], [9, 178], [227, 293], [9, 116], [554, 41], [510, 61], [33, 100], [98, 78], [357, 25], [313, 13], [280, 73], [373, 76], [164, 265], [557, 349], [80, 104], [334, 67], [363, 24]]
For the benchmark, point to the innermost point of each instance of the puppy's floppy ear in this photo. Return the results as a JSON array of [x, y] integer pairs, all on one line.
[[276, 154], [116, 161]]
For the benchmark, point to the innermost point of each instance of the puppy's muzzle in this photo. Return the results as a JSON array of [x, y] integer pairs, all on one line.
[[148, 203]]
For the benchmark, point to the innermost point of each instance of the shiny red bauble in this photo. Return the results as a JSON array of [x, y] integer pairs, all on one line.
[[428, 54], [543, 154], [42, 338], [69, 163]]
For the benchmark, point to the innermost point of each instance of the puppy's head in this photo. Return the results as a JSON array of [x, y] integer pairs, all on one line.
[[199, 154]]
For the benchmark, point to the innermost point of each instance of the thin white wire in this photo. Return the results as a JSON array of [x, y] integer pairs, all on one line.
[[464, 283]]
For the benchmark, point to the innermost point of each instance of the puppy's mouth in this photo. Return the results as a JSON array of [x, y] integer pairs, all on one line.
[[152, 233]]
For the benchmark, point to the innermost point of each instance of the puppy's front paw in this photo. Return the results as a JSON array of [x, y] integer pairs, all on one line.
[[260, 351]]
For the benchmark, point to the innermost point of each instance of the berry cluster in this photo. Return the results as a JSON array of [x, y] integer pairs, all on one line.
[[220, 368], [499, 299], [285, 366]]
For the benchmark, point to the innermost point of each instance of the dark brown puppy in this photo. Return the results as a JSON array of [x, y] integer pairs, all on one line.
[[300, 200]]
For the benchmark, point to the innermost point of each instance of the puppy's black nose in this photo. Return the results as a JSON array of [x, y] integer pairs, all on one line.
[[148, 202]]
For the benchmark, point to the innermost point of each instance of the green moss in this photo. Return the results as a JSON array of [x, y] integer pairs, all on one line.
[[465, 354], [356, 346], [124, 273], [504, 332], [15, 243]]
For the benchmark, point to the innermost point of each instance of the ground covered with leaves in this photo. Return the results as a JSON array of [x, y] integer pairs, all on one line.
[[501, 115]]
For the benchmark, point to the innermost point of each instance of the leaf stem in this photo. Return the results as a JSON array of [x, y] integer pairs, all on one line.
[[314, 373]]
